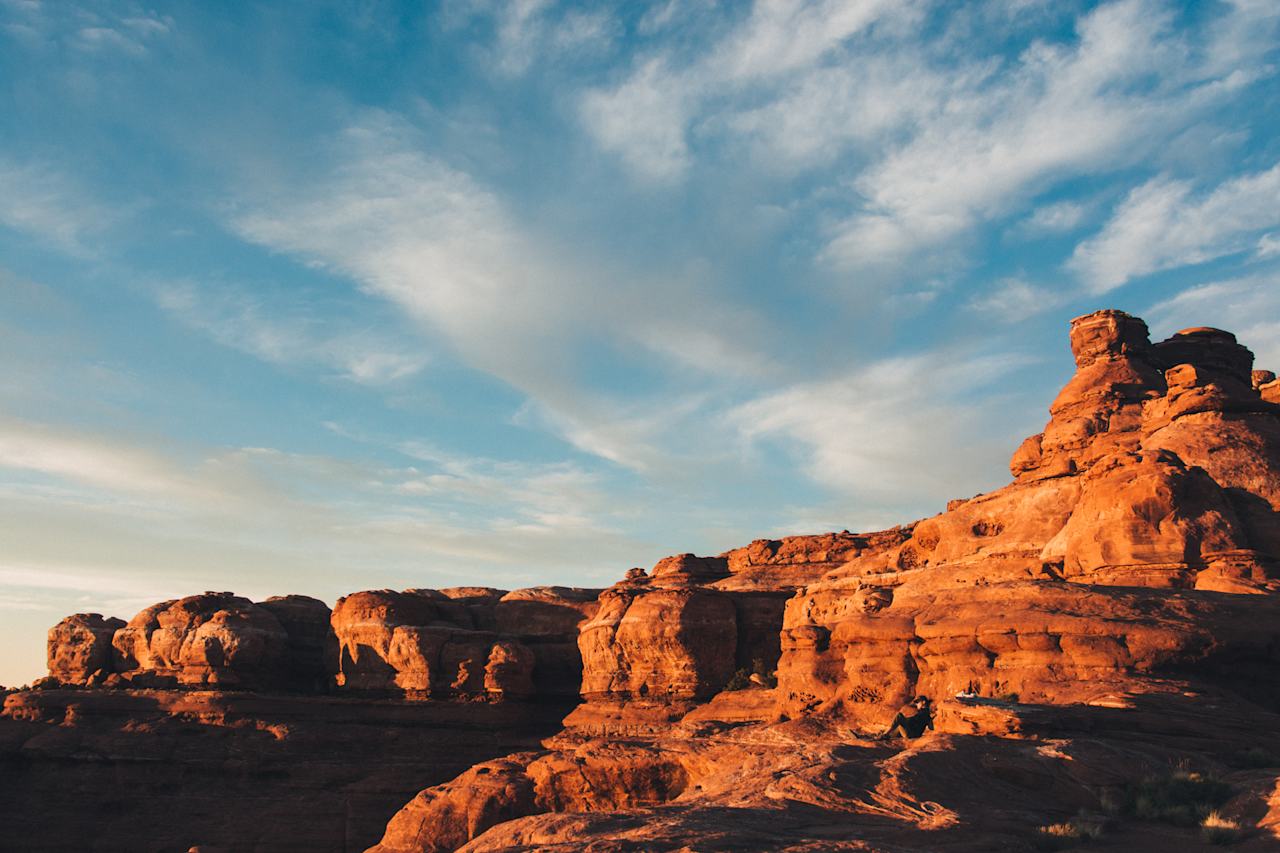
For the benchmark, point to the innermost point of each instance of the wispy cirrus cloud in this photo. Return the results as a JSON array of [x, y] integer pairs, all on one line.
[[1015, 298], [662, 97], [293, 334], [1163, 224], [1056, 218], [1060, 111], [519, 305], [888, 431], [43, 202]]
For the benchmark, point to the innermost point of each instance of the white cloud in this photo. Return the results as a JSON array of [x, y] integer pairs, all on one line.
[[291, 335], [1054, 218], [891, 430], [1060, 110], [44, 203], [1162, 225], [643, 121], [645, 118], [816, 117], [528, 33], [511, 302], [781, 36], [1015, 299], [67, 454], [219, 515]]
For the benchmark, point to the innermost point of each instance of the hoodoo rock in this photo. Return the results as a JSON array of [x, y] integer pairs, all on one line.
[[79, 648]]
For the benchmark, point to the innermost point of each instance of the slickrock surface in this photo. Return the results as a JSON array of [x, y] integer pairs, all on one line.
[[1109, 619]]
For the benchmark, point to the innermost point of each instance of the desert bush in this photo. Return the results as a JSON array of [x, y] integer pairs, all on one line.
[[1254, 758], [1181, 797], [1081, 828], [1217, 829]]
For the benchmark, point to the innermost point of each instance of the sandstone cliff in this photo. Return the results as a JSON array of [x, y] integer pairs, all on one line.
[[1122, 588]]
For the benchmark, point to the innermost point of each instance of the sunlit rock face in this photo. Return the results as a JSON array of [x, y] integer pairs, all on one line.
[[1132, 559], [1158, 469], [461, 642], [79, 648], [212, 639]]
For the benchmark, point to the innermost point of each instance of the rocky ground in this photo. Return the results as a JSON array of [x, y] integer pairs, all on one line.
[[1101, 638]]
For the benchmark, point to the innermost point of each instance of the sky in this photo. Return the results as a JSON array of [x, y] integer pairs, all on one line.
[[328, 296]]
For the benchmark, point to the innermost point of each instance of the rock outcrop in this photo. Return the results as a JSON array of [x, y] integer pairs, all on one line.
[[79, 648], [1158, 469], [462, 642], [217, 638], [1132, 563]]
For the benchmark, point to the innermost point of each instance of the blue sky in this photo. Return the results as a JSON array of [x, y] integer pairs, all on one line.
[[319, 297]]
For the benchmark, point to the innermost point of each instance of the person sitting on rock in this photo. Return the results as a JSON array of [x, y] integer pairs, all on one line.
[[911, 721]]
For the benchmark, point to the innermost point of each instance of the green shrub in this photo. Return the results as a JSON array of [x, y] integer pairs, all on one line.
[[1254, 758], [1181, 797]]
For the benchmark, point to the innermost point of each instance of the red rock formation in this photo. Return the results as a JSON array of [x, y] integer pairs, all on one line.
[[79, 648], [1094, 580], [665, 639], [1110, 612], [461, 642], [1157, 469], [214, 638], [311, 652]]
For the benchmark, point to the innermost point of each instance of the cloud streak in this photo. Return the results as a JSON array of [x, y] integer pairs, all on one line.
[[1162, 224]]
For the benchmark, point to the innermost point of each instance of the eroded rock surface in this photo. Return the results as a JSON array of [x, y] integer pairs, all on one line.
[[462, 642], [79, 648], [1114, 608]]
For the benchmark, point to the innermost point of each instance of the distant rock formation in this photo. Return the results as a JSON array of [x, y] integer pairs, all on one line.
[[464, 642], [80, 648]]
